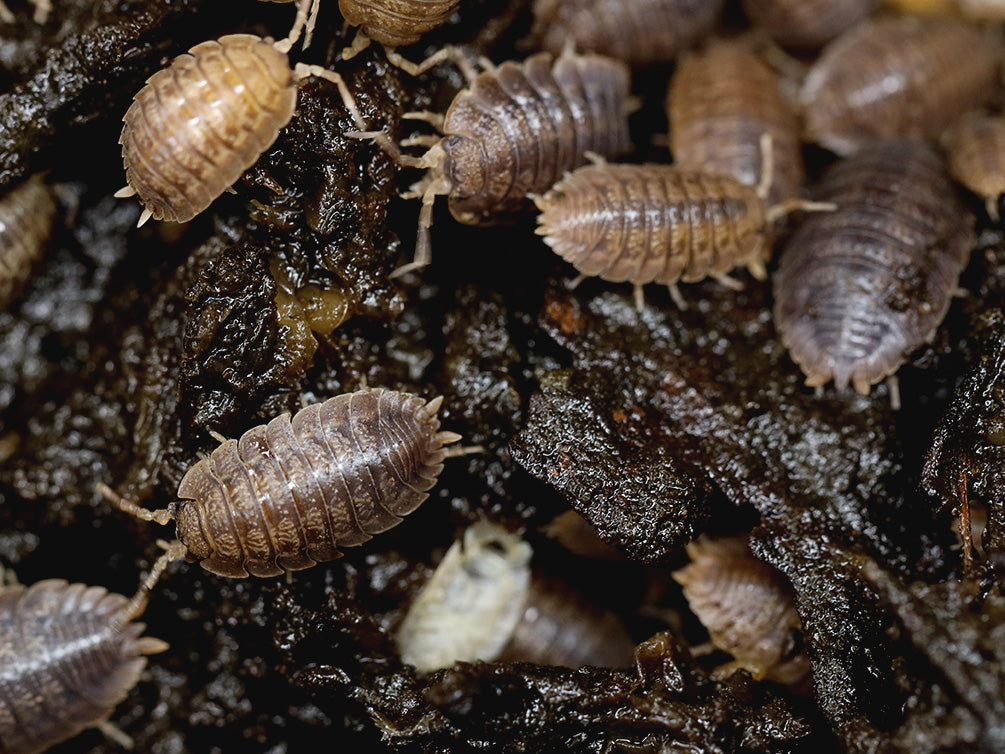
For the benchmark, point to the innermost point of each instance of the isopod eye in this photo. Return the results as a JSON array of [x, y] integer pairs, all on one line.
[[792, 645], [465, 165]]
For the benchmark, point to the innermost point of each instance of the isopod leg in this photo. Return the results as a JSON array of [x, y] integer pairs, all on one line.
[[423, 242], [640, 298], [172, 551], [162, 516], [304, 17], [991, 205], [767, 166], [676, 297], [6, 15], [414, 69], [115, 734], [893, 385], [434, 119], [359, 43], [42, 10]]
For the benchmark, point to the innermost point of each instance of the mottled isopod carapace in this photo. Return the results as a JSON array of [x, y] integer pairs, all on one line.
[[748, 608], [806, 24], [858, 289], [722, 101], [901, 76], [289, 493], [515, 131], [659, 224], [69, 654], [26, 217], [201, 122], [975, 150], [638, 32]]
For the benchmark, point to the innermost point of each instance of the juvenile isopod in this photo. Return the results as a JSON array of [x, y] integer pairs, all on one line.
[[721, 102], [26, 217], [201, 122], [806, 24], [469, 608], [69, 654], [903, 76], [859, 288], [515, 131], [639, 32], [747, 607], [659, 224], [289, 493], [975, 148]]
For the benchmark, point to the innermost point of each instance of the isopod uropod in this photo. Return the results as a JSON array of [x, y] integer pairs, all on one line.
[[201, 122], [69, 654], [515, 131], [289, 493], [748, 608], [903, 76], [26, 216], [859, 288]]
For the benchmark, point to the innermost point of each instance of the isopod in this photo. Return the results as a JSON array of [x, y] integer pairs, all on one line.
[[806, 24], [26, 217], [638, 32], [747, 607], [859, 288], [659, 224], [975, 148], [392, 23], [515, 131], [721, 103], [289, 493], [470, 607], [201, 122], [903, 76], [69, 654]]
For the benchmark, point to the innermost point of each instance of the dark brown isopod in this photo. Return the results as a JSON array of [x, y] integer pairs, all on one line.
[[975, 148], [639, 32], [901, 76], [289, 493], [69, 653], [515, 131], [859, 288], [747, 607], [26, 217], [721, 103], [806, 24], [658, 224], [201, 122]]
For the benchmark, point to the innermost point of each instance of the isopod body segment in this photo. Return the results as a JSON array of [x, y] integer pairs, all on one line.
[[638, 32], [722, 100], [859, 288], [289, 493], [806, 24], [69, 654], [975, 150], [397, 22], [898, 76], [27, 213]]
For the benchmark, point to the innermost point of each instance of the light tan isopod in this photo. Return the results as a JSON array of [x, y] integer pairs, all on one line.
[[975, 150], [748, 608], [26, 216], [201, 122]]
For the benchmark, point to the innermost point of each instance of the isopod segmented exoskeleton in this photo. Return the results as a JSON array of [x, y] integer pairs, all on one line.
[[806, 24], [26, 216], [660, 224], [289, 493], [201, 122], [975, 150], [858, 289]]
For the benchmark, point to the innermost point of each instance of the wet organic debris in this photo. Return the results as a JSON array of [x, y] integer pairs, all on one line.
[[127, 347]]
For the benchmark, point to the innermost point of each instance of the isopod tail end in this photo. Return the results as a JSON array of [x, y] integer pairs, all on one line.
[[433, 406], [125, 192], [148, 645]]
